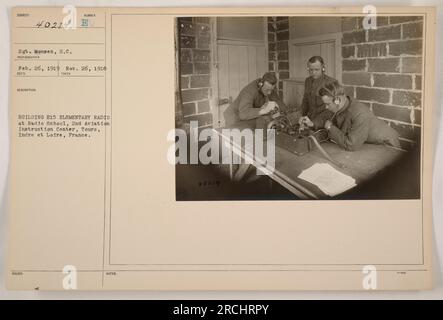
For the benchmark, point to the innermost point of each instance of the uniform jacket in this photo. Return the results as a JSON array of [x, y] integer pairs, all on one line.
[[312, 105], [249, 101], [355, 124]]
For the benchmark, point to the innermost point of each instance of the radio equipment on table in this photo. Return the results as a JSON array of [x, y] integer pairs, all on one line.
[[296, 138]]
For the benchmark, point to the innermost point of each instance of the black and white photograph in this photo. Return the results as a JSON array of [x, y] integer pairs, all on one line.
[[298, 107], [253, 151]]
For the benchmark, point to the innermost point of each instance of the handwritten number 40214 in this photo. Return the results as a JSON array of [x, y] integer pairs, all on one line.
[[49, 25]]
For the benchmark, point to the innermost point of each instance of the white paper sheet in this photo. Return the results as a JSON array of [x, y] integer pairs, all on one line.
[[328, 179]]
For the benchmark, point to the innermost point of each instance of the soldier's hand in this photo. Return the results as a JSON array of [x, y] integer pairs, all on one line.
[[328, 124], [306, 121], [268, 107]]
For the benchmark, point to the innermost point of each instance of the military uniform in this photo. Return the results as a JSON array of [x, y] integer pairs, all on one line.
[[312, 105], [355, 124], [249, 101]]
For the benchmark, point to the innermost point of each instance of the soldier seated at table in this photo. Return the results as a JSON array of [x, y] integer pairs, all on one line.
[[352, 123], [256, 100]]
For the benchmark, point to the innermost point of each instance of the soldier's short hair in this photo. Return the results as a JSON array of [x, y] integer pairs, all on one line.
[[331, 89], [315, 59], [269, 77]]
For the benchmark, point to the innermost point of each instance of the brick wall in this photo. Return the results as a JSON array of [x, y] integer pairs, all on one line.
[[278, 44], [383, 68], [195, 70]]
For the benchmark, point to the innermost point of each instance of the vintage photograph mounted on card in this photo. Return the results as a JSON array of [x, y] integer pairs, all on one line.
[[341, 96], [168, 148]]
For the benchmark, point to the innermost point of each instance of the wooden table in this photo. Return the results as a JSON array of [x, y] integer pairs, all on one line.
[[361, 165]]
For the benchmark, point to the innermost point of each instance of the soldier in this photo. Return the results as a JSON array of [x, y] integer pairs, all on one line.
[[352, 123], [314, 113], [257, 99]]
